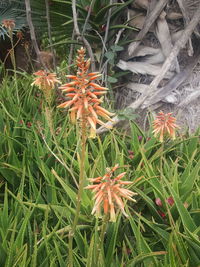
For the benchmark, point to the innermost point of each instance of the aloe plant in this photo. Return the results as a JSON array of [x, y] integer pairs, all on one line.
[[36, 207]]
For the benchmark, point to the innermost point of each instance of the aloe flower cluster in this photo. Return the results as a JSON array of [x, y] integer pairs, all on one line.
[[85, 96], [109, 193], [8, 24], [45, 81], [164, 125]]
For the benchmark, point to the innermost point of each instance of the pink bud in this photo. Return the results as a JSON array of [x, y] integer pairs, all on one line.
[[158, 202], [170, 201], [130, 152], [140, 138], [128, 251]]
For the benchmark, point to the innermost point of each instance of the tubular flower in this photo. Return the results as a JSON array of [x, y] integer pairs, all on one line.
[[163, 125], [83, 94], [109, 192], [20, 35], [9, 24], [45, 81]]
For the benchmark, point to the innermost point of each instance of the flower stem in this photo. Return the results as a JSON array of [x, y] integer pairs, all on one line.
[[80, 188], [102, 237], [12, 55]]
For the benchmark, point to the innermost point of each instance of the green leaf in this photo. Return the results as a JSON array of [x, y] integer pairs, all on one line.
[[112, 231], [116, 48], [183, 212], [122, 26], [127, 113], [110, 55], [187, 186], [144, 256], [100, 15], [66, 187], [111, 79]]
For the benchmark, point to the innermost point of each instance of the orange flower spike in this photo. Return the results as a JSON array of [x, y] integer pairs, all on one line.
[[20, 35], [86, 94], [45, 80], [164, 125], [109, 193], [9, 24]]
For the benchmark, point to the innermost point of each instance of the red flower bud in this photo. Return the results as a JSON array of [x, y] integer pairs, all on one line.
[[162, 214], [170, 201], [28, 124]]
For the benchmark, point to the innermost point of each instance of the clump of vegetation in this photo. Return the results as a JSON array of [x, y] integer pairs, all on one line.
[[39, 187], [71, 197]]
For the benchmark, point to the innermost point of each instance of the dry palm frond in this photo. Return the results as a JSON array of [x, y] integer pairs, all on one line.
[[142, 88], [142, 68], [138, 19], [140, 4]]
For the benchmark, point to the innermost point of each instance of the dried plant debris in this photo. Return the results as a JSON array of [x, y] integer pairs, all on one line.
[[150, 55], [163, 34], [143, 68], [140, 4], [167, 52], [138, 19], [142, 88]]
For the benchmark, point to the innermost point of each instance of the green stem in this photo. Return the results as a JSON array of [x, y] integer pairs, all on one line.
[[12, 54], [80, 189], [161, 158], [49, 118], [102, 236]]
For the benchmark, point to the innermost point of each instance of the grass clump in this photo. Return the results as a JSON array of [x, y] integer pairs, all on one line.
[[39, 177]]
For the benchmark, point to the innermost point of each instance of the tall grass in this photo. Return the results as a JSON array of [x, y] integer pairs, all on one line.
[[38, 191]]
